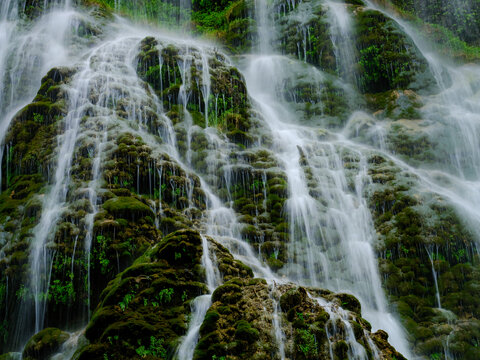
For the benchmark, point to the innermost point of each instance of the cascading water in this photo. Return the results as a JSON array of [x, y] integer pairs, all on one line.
[[339, 253], [200, 305], [27, 53], [331, 235], [331, 245], [456, 109], [431, 255], [341, 316], [341, 33]]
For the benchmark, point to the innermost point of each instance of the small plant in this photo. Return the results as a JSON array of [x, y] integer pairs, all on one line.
[[307, 344], [126, 300], [257, 184], [102, 256], [165, 296], [62, 292], [3, 331], [155, 349], [38, 118]]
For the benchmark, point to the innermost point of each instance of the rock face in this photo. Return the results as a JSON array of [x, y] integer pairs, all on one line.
[[144, 310], [148, 149]]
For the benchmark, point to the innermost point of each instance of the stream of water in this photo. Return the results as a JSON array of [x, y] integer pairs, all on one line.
[[331, 232]]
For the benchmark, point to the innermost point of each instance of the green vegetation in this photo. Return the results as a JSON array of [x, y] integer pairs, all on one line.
[[60, 292], [407, 234], [387, 58], [140, 279], [307, 344], [44, 344], [152, 11], [155, 349], [461, 19]]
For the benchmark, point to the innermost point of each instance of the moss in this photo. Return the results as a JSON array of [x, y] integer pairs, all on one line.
[[44, 344], [149, 299], [340, 349], [125, 206], [32, 131], [229, 22], [460, 20], [209, 322], [228, 293], [313, 36], [245, 331], [349, 302], [308, 323], [239, 331], [10, 356], [387, 59], [292, 298], [413, 236]]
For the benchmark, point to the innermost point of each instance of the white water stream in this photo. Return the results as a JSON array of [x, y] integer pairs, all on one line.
[[28, 52], [332, 236]]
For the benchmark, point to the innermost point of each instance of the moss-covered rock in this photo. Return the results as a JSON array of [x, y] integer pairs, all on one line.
[[460, 19], [387, 58], [125, 207], [422, 236], [240, 330], [306, 37], [146, 306], [44, 344], [381, 340]]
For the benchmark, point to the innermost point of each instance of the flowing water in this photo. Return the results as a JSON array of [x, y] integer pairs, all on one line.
[[355, 351], [332, 236], [28, 52], [341, 34], [455, 107], [200, 304], [336, 253], [431, 256]]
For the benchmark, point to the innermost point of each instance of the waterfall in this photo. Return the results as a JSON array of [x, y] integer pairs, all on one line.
[[455, 103], [277, 323], [27, 53], [315, 261], [329, 235], [341, 316], [338, 255], [435, 277], [341, 33], [200, 304]]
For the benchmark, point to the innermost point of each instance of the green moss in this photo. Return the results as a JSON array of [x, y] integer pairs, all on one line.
[[245, 331], [408, 232], [126, 206], [387, 60], [44, 343], [230, 22], [349, 302], [149, 299], [228, 293], [209, 322]]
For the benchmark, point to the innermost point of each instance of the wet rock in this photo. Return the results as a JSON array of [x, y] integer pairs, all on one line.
[[44, 344]]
